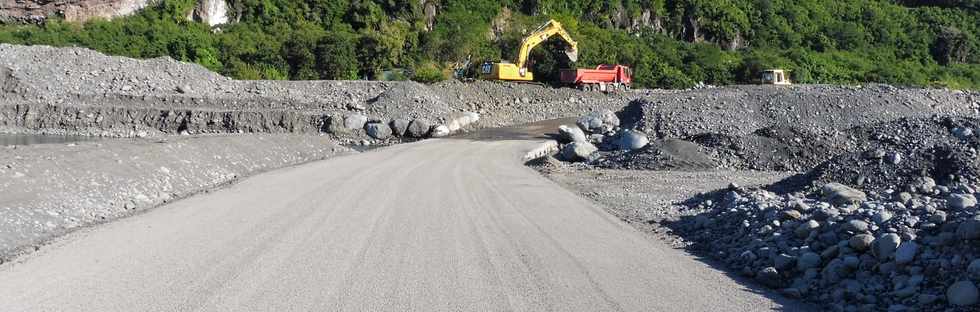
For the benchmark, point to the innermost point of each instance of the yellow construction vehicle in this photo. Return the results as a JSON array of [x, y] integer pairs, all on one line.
[[775, 77], [518, 70]]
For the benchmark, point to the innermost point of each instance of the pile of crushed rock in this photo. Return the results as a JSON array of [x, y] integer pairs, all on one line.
[[772, 128], [891, 226]]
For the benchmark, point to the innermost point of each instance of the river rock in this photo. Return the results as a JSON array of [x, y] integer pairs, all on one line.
[[924, 185], [598, 121], [355, 121], [961, 201], [962, 293], [962, 133], [881, 217], [578, 151], [399, 126], [769, 276], [608, 117], [378, 130], [567, 134], [419, 128], [790, 214], [629, 140], [590, 123], [808, 260], [784, 261], [439, 131], [969, 229], [840, 194], [885, 246], [460, 121], [906, 252], [861, 242], [335, 125], [805, 228], [855, 226], [974, 268]]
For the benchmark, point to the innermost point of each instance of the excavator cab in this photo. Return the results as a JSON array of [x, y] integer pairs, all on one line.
[[775, 77], [519, 71]]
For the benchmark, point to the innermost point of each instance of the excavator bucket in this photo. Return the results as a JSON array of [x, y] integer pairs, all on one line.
[[572, 55]]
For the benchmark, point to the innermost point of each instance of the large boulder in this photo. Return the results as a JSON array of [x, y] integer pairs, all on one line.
[[568, 134], [599, 121], [419, 128], [629, 140], [578, 151], [590, 123], [439, 131], [335, 125], [355, 121], [841, 195], [378, 130], [459, 121], [400, 126]]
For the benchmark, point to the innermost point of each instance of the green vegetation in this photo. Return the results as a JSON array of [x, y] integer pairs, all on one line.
[[669, 43]]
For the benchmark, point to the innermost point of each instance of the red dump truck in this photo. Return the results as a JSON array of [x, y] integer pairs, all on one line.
[[604, 78]]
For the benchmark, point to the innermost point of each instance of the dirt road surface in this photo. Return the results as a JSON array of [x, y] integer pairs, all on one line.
[[440, 225]]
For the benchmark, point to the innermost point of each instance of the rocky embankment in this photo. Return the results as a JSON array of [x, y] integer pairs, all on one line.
[[892, 225], [47, 190], [882, 215], [79, 91]]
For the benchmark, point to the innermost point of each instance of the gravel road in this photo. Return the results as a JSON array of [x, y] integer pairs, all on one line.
[[439, 225]]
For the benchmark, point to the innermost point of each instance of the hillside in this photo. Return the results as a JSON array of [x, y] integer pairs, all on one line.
[[670, 43]]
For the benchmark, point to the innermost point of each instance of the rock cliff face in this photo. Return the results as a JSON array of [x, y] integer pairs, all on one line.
[[212, 12], [35, 11]]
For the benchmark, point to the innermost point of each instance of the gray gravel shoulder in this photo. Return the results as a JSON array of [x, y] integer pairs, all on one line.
[[645, 198], [48, 190]]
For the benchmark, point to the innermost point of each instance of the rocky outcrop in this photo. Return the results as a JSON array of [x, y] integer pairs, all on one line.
[[211, 12], [36, 11]]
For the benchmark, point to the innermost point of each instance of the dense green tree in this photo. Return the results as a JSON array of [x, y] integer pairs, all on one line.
[[337, 57], [668, 43]]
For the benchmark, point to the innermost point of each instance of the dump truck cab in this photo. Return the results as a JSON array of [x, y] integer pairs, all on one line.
[[775, 77]]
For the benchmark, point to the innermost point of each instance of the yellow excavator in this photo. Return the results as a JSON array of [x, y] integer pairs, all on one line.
[[518, 71]]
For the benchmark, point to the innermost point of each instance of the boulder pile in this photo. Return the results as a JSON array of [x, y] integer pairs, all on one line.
[[397, 129], [597, 131], [893, 226]]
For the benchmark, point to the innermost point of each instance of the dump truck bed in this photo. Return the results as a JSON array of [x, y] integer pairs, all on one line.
[[576, 76]]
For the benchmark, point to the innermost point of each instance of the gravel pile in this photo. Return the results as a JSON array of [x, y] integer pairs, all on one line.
[[774, 128], [891, 227], [83, 92], [666, 154], [820, 109]]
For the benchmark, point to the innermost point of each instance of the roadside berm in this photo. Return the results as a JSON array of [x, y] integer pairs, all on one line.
[[871, 204]]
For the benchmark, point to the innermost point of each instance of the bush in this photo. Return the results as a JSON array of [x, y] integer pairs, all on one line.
[[428, 74]]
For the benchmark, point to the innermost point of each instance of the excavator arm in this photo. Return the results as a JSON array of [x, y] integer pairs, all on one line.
[[518, 71], [542, 34]]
